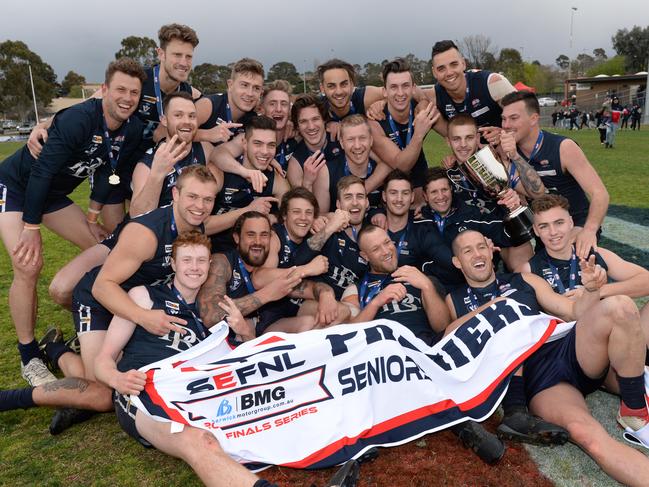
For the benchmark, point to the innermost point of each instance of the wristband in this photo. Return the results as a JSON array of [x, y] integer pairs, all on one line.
[[92, 217], [30, 226]]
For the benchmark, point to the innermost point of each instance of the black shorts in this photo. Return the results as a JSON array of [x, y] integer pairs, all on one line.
[[556, 362], [125, 412], [12, 200], [91, 317]]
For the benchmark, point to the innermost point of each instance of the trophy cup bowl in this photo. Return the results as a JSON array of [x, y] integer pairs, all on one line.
[[485, 170]]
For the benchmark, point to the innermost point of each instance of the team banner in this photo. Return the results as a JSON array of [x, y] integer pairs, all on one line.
[[316, 399]]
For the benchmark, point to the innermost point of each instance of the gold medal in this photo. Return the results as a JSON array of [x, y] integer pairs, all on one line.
[[113, 179]]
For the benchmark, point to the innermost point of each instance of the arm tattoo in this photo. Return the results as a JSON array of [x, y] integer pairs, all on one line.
[[530, 179], [68, 384], [247, 304], [319, 288], [299, 290], [317, 241], [213, 290]]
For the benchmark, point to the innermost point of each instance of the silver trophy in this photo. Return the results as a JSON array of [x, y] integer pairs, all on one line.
[[485, 170]]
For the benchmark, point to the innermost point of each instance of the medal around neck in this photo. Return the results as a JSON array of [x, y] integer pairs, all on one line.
[[485, 170], [113, 179]]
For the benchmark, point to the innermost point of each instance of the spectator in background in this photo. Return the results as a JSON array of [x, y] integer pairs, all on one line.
[[636, 114], [626, 114], [601, 125], [614, 123]]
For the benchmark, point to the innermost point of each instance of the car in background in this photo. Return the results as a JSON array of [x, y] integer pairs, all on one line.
[[9, 125], [25, 128], [546, 101]]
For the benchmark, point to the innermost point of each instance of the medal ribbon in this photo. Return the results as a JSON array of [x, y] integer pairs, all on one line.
[[182, 301], [108, 142], [246, 276], [394, 129], [572, 280], [371, 291], [474, 299]]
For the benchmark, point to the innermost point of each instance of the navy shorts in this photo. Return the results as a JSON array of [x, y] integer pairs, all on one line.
[[125, 412], [11, 200], [556, 362], [270, 313], [91, 317]]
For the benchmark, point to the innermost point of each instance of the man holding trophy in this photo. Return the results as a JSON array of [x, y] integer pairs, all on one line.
[[559, 162], [481, 180]]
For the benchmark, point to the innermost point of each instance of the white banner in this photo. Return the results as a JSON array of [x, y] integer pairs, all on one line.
[[316, 399]]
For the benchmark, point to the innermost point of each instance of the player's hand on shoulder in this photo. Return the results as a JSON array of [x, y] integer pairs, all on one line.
[[221, 133], [375, 110], [380, 220], [449, 162], [157, 322], [585, 241], [263, 204], [333, 129]]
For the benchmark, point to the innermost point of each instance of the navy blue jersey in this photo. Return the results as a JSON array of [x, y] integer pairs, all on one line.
[[221, 113], [345, 262], [409, 311], [240, 283], [547, 164], [144, 348], [196, 156], [477, 101], [550, 269], [463, 217], [400, 138], [419, 245], [331, 150], [147, 110], [338, 169], [513, 286], [472, 196], [236, 193], [290, 253], [356, 104], [154, 271], [75, 149], [284, 152]]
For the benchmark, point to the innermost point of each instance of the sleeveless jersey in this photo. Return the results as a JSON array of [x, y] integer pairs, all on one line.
[[472, 196], [284, 152], [196, 156], [477, 101], [512, 286], [147, 109], [144, 348], [290, 253], [221, 113], [356, 104], [400, 138], [339, 168], [330, 150], [409, 311], [541, 264], [547, 164]]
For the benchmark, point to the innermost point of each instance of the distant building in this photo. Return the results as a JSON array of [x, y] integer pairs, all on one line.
[[65, 102], [590, 93]]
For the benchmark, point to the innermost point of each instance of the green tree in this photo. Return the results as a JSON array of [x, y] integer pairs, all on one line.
[[543, 78], [372, 73], [142, 49], [634, 46], [600, 54], [286, 71], [562, 61], [210, 78], [478, 51], [71, 80], [15, 89], [583, 63], [510, 63], [615, 65]]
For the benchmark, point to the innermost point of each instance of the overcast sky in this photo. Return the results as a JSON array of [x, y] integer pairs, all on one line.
[[74, 35]]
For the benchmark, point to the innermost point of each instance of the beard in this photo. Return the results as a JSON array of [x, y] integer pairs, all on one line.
[[255, 260]]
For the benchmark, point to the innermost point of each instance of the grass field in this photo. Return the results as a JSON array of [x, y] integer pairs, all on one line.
[[99, 453]]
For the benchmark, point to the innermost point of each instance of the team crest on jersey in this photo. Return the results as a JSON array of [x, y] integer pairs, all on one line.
[[475, 102], [341, 242], [145, 109], [236, 280], [450, 110], [174, 308], [335, 151], [544, 162], [97, 139]]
